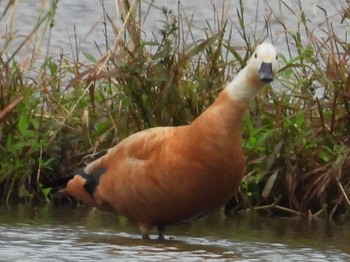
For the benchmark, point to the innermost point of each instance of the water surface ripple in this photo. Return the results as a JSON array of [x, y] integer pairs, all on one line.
[[55, 234]]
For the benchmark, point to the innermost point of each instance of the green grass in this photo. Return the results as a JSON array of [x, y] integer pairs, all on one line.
[[297, 146]]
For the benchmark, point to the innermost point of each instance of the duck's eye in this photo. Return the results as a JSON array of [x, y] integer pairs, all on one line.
[[255, 55]]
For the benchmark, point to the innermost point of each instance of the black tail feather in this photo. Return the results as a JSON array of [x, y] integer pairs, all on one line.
[[62, 182]]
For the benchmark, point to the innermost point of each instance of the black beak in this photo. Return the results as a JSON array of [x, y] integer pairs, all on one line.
[[265, 72]]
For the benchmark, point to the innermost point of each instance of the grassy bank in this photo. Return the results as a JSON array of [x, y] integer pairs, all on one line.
[[56, 112]]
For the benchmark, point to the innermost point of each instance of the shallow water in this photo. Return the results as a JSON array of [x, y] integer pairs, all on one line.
[[67, 234]]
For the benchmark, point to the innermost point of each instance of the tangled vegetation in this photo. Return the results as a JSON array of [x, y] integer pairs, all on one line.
[[53, 116]]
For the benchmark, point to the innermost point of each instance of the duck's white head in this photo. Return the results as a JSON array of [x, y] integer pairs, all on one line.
[[262, 68], [263, 63]]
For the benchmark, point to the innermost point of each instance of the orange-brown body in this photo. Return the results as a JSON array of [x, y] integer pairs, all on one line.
[[168, 175]]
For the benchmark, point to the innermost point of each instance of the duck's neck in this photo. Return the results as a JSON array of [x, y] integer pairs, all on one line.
[[227, 111], [223, 116], [243, 87]]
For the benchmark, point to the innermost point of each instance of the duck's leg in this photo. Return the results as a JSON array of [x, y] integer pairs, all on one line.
[[145, 236], [161, 230], [145, 230]]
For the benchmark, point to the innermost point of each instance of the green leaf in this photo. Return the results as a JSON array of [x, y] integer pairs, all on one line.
[[45, 191], [325, 156], [23, 125], [46, 164], [269, 184], [90, 57], [299, 119]]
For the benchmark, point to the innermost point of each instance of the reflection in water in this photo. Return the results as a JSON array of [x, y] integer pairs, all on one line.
[[64, 234]]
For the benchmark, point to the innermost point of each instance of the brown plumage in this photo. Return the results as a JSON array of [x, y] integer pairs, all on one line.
[[168, 175]]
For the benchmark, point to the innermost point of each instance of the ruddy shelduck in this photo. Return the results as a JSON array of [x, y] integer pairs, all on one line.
[[169, 175]]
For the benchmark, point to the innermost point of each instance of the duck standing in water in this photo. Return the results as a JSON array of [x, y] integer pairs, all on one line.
[[169, 175]]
